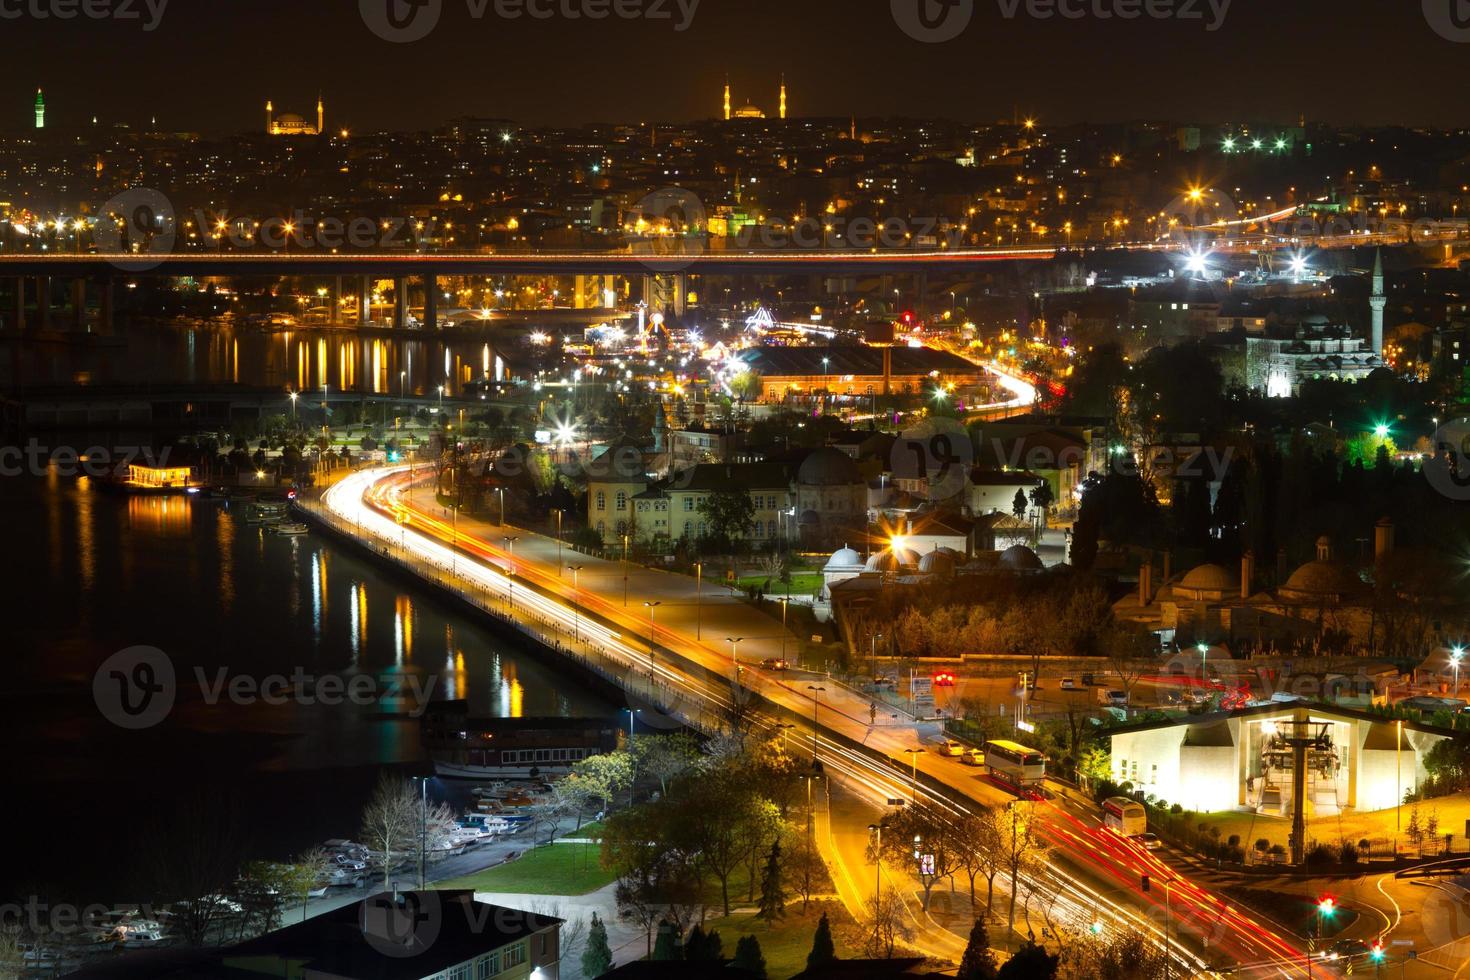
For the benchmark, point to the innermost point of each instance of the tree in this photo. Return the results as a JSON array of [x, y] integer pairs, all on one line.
[[1124, 956], [823, 952], [773, 889], [597, 957], [195, 855], [748, 956], [932, 833], [390, 824], [1031, 962], [977, 851], [1016, 833], [889, 924], [978, 962], [665, 757], [704, 946], [729, 513], [604, 775], [667, 945], [1018, 505], [262, 891]]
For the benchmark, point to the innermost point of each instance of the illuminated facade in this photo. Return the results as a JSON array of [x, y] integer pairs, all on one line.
[[1237, 761], [40, 109], [289, 124]]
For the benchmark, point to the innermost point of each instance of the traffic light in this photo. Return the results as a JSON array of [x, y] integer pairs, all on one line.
[[1097, 928], [1145, 883], [1377, 952], [1327, 905]]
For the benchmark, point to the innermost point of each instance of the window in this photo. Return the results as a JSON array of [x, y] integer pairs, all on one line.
[[602, 529], [688, 528], [622, 501], [461, 972], [601, 500], [757, 528], [487, 966], [688, 504], [771, 529], [513, 956]]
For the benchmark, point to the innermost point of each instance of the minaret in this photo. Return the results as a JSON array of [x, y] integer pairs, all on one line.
[[40, 109], [783, 96], [727, 100], [270, 119], [321, 115], [1379, 302]]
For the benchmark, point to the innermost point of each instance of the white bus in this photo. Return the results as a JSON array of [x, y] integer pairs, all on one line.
[[1126, 816], [1015, 763]]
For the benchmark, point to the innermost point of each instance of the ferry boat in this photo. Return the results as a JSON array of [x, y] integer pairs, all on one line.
[[463, 747]]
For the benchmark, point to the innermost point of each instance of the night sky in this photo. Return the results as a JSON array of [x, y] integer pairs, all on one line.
[[211, 64]]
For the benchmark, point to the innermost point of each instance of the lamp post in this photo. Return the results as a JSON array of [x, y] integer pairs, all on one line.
[[815, 706], [510, 547], [1204, 651], [633, 714], [698, 596], [402, 385], [576, 603], [501, 492], [735, 651], [783, 627], [423, 782], [1456, 656], [558, 541], [873, 651], [1398, 758], [877, 828], [293, 395]]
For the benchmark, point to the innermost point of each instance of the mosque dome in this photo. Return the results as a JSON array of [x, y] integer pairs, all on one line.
[[844, 558], [1324, 578], [937, 563], [892, 560], [1019, 558], [1208, 578]]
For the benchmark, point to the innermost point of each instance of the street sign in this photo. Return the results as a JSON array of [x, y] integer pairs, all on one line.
[[926, 864]]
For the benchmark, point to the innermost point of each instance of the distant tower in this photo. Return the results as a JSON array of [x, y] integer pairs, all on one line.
[[40, 109], [1379, 302], [270, 119], [783, 96], [321, 115], [727, 100], [852, 129]]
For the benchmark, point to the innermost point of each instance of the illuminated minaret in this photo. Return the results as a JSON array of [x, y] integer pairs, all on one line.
[[783, 96], [40, 109], [1379, 302], [321, 115], [727, 100], [270, 119]]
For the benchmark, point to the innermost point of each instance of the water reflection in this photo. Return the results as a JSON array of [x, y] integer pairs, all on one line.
[[167, 517]]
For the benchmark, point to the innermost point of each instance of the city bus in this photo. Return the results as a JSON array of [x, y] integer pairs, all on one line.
[[1015, 763], [1126, 816]]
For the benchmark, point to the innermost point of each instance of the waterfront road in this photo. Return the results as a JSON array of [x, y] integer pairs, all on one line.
[[694, 670]]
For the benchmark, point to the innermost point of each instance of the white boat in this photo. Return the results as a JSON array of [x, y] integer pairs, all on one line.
[[290, 528]]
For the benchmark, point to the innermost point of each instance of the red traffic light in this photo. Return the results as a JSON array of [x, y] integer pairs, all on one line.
[[1327, 905], [943, 678]]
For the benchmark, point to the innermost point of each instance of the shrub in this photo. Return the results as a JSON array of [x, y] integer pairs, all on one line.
[[1263, 845], [1277, 850], [1320, 855], [1348, 853], [1365, 847], [1177, 809]]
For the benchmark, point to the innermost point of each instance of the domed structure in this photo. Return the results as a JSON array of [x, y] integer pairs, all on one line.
[[893, 560], [844, 558], [828, 468], [1019, 558], [1323, 580], [938, 563], [1205, 583]]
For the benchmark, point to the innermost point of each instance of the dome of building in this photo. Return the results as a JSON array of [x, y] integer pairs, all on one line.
[[1208, 578], [844, 558], [1321, 579], [937, 563], [289, 119], [828, 468], [892, 560], [1019, 558]]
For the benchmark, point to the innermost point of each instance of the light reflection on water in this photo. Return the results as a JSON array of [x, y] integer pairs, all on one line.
[[189, 576]]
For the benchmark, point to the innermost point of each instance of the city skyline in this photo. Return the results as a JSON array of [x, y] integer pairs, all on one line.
[[836, 62]]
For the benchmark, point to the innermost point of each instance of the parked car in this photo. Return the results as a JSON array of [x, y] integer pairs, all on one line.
[[1069, 684], [951, 748], [1112, 697], [775, 663]]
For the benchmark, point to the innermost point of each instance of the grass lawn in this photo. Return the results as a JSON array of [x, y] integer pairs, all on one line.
[[1378, 825], [784, 944], [556, 869], [802, 583]]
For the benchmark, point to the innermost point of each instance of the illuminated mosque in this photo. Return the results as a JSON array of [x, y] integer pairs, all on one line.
[[750, 110], [289, 124]]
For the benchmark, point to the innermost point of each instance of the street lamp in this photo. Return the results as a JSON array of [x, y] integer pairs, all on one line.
[[698, 596], [734, 650], [625, 571], [293, 395], [632, 714], [1456, 655], [787, 599], [558, 541], [652, 633], [877, 828]]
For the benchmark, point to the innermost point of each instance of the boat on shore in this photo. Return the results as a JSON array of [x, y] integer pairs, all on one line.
[[487, 749]]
